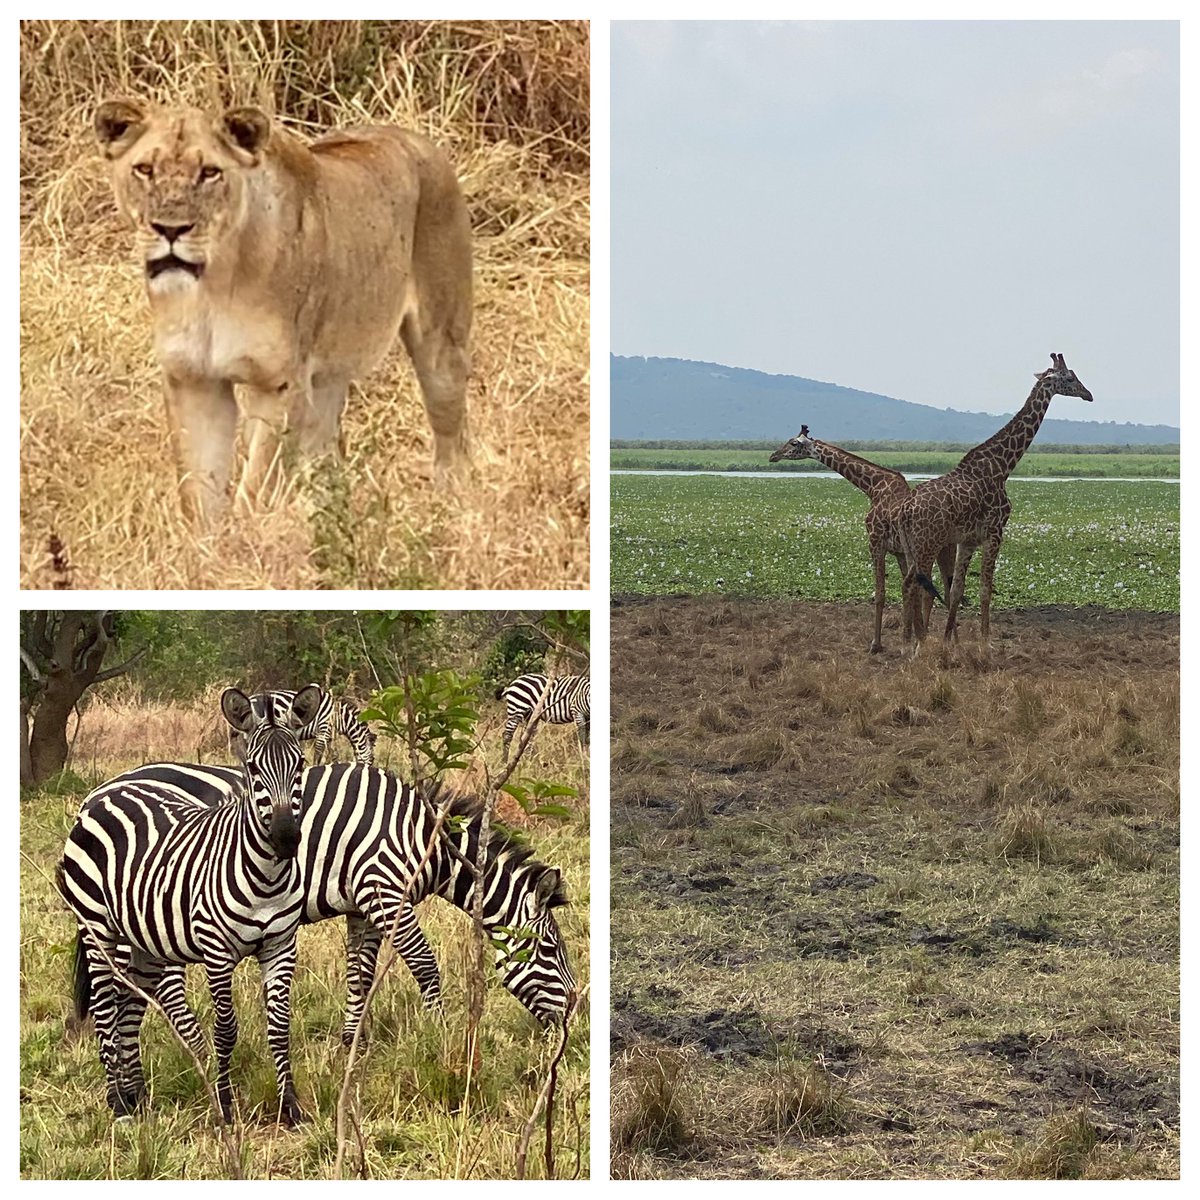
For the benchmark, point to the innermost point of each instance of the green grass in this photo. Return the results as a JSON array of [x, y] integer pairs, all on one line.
[[419, 1119], [1111, 544], [1124, 464]]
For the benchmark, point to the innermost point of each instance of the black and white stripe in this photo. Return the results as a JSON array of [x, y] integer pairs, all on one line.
[[156, 880], [568, 699], [332, 717], [362, 835]]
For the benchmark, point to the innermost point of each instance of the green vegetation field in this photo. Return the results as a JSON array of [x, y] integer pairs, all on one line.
[[419, 1119], [1084, 542], [1071, 465]]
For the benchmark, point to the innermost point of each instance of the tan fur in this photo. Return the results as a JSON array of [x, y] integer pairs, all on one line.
[[290, 269]]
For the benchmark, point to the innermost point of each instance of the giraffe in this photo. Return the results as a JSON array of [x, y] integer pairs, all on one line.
[[970, 507], [886, 490]]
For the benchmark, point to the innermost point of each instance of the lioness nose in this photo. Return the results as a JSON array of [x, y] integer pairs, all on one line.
[[171, 232]]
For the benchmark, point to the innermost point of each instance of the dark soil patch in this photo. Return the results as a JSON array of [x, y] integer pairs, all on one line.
[[855, 880], [1122, 1099]]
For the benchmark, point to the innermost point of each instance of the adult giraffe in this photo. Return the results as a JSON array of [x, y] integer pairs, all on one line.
[[969, 506], [886, 490]]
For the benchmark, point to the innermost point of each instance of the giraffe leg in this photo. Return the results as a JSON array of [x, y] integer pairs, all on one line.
[[879, 562], [960, 582], [987, 568], [945, 562]]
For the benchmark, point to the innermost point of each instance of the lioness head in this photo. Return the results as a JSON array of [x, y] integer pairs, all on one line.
[[181, 176]]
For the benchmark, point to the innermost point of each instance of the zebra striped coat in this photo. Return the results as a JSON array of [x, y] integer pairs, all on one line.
[[332, 717], [153, 881], [362, 835], [568, 699]]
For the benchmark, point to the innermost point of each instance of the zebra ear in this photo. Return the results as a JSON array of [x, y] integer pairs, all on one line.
[[237, 709], [549, 889], [306, 704]]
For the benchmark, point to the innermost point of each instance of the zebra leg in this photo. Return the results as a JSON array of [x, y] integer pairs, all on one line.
[[172, 995], [220, 984], [131, 1009], [362, 951], [510, 727], [365, 936], [278, 965], [413, 947], [583, 725], [104, 998]]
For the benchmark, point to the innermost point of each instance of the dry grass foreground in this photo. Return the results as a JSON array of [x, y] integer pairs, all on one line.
[[876, 918], [419, 1120], [508, 101]]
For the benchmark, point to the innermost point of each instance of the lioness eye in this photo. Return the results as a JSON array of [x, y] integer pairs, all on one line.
[[207, 173], [145, 170]]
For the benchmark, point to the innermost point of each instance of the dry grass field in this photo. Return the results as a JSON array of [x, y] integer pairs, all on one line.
[[508, 102], [421, 1116], [877, 918]]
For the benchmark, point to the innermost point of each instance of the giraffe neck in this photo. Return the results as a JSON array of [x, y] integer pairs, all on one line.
[[1003, 450], [868, 477]]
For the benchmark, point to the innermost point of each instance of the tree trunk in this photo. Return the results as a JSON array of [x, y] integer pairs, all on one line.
[[64, 657], [48, 739]]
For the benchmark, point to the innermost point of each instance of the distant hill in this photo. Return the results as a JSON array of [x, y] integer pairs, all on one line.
[[658, 398]]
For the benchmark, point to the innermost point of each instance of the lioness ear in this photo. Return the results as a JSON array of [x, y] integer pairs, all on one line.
[[247, 128], [118, 124]]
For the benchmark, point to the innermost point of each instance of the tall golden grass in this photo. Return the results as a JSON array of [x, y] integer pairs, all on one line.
[[508, 101]]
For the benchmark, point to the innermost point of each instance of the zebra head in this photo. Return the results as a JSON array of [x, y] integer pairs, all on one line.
[[272, 762], [531, 955]]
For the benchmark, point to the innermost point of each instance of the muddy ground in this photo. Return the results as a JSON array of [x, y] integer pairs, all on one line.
[[944, 890]]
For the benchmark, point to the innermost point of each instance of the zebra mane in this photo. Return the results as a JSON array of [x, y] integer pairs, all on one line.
[[501, 843]]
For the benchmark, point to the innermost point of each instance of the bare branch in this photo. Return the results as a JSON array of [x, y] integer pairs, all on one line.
[[113, 672]]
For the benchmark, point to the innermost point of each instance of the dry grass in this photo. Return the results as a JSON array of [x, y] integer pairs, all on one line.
[[929, 925], [508, 101]]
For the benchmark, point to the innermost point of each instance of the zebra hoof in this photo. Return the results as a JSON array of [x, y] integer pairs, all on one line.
[[291, 1114]]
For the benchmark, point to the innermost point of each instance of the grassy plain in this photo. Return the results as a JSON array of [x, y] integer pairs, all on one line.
[[419, 1119], [1126, 464], [508, 102], [878, 918], [1084, 542]]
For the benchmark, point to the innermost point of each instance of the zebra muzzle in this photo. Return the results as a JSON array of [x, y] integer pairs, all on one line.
[[284, 834]]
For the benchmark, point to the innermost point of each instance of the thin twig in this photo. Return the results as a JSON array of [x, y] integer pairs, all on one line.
[[384, 964], [545, 1100]]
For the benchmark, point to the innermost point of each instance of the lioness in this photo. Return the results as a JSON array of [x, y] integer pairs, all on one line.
[[287, 268]]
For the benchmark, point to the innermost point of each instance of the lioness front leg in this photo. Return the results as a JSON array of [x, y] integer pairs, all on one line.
[[265, 418], [202, 415], [316, 418]]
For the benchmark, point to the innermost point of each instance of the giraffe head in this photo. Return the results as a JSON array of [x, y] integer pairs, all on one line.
[[1062, 380], [801, 446]]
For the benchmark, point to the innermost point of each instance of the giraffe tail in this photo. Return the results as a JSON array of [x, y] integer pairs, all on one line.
[[929, 586]]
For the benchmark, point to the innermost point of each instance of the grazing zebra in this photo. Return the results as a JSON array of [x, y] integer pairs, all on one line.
[[362, 835], [569, 699], [333, 717], [155, 880]]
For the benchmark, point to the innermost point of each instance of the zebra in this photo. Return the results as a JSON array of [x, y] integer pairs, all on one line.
[[332, 717], [567, 699], [153, 880], [362, 836]]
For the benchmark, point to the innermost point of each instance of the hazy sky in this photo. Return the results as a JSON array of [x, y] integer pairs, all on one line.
[[922, 209]]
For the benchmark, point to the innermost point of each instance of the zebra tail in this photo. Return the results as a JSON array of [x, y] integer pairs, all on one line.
[[929, 586], [83, 978], [501, 690]]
